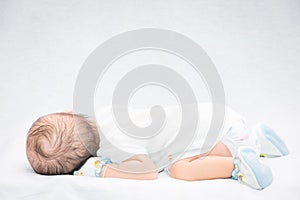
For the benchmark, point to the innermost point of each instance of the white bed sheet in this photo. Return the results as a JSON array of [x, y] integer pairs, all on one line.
[[18, 181]]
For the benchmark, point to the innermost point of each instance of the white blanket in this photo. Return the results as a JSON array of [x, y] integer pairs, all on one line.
[[18, 181]]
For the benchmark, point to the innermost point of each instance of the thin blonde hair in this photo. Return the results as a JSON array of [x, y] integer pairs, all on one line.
[[60, 143]]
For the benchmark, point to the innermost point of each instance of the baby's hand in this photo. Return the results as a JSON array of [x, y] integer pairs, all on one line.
[[92, 167]]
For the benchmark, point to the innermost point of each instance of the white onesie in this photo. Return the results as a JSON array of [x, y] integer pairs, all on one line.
[[119, 146]]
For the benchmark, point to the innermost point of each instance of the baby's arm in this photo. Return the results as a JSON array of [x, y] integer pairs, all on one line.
[[137, 167]]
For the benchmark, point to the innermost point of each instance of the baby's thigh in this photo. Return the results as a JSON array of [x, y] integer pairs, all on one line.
[[181, 166]]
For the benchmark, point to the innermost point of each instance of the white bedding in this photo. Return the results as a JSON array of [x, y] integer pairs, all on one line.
[[18, 181]]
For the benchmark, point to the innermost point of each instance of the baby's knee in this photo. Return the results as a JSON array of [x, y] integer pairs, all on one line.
[[179, 170]]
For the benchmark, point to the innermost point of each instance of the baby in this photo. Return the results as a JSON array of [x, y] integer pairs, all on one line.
[[54, 147], [57, 144]]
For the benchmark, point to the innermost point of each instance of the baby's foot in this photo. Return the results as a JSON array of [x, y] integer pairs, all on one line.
[[250, 171], [270, 144]]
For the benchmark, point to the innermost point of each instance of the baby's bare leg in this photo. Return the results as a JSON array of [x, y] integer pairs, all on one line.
[[220, 149], [218, 163], [137, 167], [202, 168]]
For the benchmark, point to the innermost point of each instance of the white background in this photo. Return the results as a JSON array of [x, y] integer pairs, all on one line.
[[255, 46]]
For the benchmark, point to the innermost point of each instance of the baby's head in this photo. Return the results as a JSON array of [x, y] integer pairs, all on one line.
[[54, 145]]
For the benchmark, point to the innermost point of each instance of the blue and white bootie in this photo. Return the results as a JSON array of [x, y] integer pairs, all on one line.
[[250, 171], [269, 143]]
